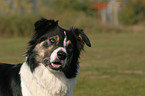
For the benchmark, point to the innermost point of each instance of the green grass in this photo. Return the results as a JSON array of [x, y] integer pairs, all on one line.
[[12, 49], [113, 66]]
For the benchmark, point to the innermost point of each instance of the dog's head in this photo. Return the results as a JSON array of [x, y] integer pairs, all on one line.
[[56, 48]]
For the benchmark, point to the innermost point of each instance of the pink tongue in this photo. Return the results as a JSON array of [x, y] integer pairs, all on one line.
[[56, 65]]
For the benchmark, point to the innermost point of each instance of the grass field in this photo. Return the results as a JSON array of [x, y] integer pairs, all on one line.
[[113, 66]]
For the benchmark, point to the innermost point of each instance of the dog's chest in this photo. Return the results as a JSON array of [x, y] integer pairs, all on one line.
[[44, 83]]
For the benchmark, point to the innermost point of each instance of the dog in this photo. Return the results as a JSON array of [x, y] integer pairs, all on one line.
[[51, 65]]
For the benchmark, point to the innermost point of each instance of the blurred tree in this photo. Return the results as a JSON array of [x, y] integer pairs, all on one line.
[[31, 6], [21, 6], [77, 5], [12, 6], [134, 12], [34, 2]]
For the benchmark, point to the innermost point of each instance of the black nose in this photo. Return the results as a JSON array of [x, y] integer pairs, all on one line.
[[61, 55]]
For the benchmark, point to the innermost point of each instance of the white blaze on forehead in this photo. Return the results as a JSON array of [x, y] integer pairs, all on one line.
[[64, 42]]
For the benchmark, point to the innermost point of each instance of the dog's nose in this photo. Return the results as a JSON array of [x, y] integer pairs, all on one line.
[[61, 55]]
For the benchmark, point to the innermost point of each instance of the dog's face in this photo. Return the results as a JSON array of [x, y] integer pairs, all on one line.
[[56, 48]]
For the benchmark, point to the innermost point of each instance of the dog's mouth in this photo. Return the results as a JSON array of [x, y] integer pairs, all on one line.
[[56, 65]]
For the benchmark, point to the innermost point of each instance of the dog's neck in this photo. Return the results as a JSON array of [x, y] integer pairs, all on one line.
[[43, 82]]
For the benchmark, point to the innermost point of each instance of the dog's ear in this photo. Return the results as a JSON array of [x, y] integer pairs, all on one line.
[[81, 38], [44, 24]]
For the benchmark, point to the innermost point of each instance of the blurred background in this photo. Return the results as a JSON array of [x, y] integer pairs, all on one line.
[[113, 15], [113, 66]]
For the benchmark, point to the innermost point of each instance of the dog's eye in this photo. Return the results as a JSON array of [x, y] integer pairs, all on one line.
[[52, 40], [70, 46]]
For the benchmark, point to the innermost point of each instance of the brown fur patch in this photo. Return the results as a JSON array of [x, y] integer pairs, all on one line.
[[68, 42], [41, 50]]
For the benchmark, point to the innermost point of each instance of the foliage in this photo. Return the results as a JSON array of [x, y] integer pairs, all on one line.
[[18, 20], [35, 6], [22, 25], [78, 13], [133, 13], [76, 5], [16, 25]]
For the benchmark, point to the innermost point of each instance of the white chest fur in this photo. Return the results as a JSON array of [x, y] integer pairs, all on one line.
[[42, 82]]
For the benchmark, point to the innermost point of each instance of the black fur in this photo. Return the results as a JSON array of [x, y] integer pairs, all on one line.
[[10, 80]]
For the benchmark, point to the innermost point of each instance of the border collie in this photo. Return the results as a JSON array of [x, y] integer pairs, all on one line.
[[51, 65]]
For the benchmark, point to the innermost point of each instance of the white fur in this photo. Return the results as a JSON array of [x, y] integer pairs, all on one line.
[[54, 56], [64, 42], [43, 82]]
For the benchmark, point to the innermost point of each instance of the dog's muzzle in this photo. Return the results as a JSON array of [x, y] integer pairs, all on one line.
[[57, 59]]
